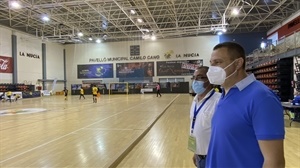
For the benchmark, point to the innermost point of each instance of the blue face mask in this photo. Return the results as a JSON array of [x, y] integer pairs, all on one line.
[[198, 87]]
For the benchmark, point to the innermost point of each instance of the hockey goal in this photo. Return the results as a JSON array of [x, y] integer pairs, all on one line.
[[118, 88]]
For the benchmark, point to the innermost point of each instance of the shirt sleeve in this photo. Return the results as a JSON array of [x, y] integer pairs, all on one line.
[[268, 119]]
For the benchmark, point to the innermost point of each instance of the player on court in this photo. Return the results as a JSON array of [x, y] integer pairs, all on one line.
[[8, 95], [81, 93], [66, 93], [95, 91]]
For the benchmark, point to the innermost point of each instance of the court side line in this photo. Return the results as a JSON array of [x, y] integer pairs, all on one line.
[[22, 153], [125, 152], [13, 107], [62, 111], [111, 129]]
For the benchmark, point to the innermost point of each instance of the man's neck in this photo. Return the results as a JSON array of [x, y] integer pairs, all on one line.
[[230, 82]]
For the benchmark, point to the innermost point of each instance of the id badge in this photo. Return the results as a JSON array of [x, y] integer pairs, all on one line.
[[192, 144]]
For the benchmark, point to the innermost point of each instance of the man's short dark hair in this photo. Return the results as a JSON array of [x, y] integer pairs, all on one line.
[[235, 50], [203, 67]]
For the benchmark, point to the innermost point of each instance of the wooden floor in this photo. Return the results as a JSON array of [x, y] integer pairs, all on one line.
[[118, 131]]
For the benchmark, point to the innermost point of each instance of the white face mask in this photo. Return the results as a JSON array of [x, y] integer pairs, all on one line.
[[217, 75]]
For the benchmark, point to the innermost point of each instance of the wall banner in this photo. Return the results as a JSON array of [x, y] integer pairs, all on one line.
[[135, 69], [177, 68], [95, 71], [6, 64]]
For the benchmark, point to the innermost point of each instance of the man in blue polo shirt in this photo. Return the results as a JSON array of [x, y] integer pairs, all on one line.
[[248, 124]]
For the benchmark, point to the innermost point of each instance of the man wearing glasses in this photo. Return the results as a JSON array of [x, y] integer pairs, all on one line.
[[202, 110]]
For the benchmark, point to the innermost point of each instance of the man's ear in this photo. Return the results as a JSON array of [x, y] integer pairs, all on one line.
[[239, 63]]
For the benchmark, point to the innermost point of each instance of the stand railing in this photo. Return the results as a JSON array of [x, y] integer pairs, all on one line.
[[271, 52]]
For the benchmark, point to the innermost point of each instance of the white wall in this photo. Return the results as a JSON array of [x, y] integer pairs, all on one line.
[[29, 69], [5, 50], [54, 65], [81, 53]]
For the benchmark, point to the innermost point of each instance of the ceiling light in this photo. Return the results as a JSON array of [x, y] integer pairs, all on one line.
[[219, 33], [104, 37], [235, 11], [146, 36], [139, 20], [146, 30], [90, 38], [77, 40], [224, 30], [15, 4], [45, 18], [263, 45], [214, 15], [98, 41], [80, 34], [132, 11], [153, 37]]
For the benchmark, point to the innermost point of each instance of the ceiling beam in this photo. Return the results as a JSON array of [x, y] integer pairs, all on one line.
[[252, 6], [271, 12]]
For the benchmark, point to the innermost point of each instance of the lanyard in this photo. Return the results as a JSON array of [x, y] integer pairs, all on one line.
[[196, 111]]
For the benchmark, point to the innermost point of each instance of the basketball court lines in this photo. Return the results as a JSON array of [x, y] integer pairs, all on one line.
[[56, 139], [60, 111], [119, 102], [138, 129]]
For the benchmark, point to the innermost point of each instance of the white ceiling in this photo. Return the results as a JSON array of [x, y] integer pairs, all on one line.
[[111, 20]]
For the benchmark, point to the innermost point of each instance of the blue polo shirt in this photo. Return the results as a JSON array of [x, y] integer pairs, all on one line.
[[249, 112]]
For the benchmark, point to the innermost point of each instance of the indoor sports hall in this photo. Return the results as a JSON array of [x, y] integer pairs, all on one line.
[[120, 131], [90, 83]]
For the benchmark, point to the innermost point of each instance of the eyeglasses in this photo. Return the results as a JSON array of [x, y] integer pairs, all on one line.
[[199, 78]]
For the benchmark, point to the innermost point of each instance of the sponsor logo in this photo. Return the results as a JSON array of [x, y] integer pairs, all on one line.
[[6, 64], [189, 66], [168, 54]]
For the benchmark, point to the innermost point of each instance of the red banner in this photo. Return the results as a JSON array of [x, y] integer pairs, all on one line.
[[289, 28], [6, 64]]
